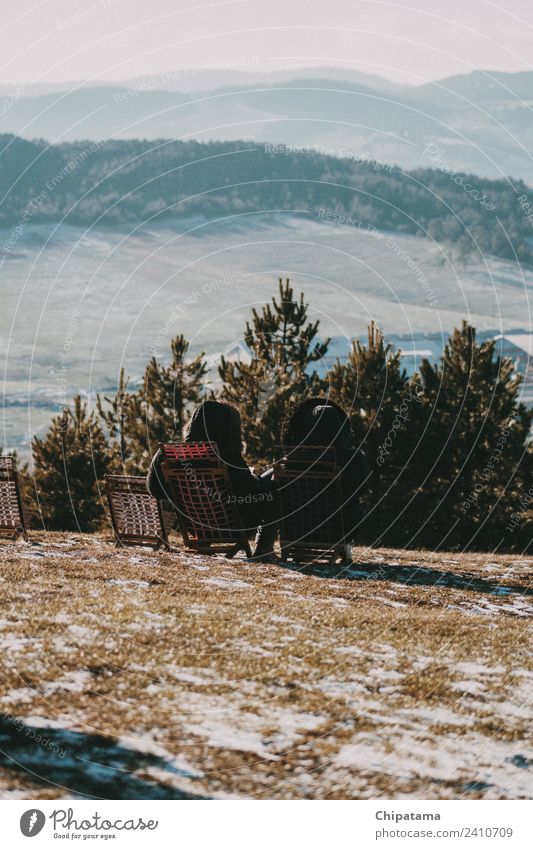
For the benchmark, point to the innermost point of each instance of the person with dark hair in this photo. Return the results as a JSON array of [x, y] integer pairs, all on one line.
[[220, 423], [321, 422], [314, 420]]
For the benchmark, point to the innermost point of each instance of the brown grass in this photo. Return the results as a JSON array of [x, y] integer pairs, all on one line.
[[409, 676]]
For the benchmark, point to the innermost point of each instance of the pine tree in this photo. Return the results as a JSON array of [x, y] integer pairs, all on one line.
[[447, 449], [519, 527], [69, 466], [138, 421], [383, 405], [284, 346], [171, 390], [116, 413], [370, 386], [475, 448]]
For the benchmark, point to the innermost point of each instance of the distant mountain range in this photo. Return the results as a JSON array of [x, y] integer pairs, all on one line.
[[481, 122], [188, 80]]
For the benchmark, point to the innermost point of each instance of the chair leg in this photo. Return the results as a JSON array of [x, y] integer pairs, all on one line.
[[21, 532], [347, 554], [243, 545]]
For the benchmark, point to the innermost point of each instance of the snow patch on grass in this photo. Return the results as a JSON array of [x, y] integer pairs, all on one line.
[[121, 582], [81, 632], [461, 760], [473, 688], [13, 643], [73, 682], [227, 583]]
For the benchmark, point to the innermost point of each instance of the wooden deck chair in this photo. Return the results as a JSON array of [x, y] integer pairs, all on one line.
[[12, 524], [137, 517], [309, 490], [199, 487]]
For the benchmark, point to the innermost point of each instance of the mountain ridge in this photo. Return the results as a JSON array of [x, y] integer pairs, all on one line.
[[480, 122]]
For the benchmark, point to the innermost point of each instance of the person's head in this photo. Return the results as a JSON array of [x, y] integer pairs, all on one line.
[[215, 421], [317, 421]]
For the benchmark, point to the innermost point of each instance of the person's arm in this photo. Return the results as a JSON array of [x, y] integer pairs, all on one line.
[[243, 482], [155, 481]]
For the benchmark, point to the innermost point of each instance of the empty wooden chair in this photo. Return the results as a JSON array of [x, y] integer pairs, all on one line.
[[199, 487], [137, 517], [309, 491], [12, 524]]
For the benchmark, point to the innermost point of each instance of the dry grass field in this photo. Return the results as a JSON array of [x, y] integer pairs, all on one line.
[[133, 674]]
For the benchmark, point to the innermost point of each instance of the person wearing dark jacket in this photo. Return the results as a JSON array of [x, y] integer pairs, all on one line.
[[220, 423], [321, 422]]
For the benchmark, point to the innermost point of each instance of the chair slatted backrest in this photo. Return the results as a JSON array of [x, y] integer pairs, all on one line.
[[137, 517], [198, 485], [12, 522], [310, 498]]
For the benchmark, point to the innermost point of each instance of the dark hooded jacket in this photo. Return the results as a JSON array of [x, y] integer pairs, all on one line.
[[321, 422], [220, 423]]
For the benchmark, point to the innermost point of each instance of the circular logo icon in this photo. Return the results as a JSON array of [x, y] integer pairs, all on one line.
[[32, 822]]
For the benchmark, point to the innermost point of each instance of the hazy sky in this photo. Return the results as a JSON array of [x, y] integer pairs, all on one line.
[[411, 41]]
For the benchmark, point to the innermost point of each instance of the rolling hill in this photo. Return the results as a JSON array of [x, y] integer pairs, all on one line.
[[79, 302], [117, 183], [480, 122]]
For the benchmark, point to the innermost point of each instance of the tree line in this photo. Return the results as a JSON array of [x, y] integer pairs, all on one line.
[[123, 183], [450, 461]]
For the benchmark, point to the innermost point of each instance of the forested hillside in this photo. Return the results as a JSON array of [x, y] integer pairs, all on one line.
[[117, 183]]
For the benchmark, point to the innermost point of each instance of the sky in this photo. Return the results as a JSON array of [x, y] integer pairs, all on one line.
[[414, 41]]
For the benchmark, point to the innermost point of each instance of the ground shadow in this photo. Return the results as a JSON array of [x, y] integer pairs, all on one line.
[[85, 765], [414, 576]]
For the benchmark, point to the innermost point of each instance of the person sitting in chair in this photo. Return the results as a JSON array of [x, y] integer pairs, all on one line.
[[321, 422], [220, 423]]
